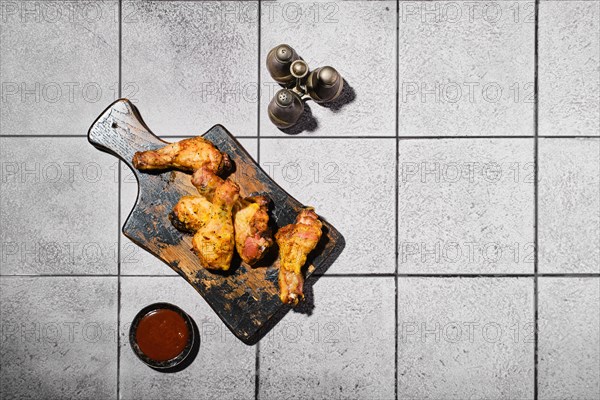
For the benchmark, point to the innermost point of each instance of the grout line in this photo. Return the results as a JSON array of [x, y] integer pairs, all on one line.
[[1, 36], [363, 275], [168, 137], [120, 13], [465, 276], [535, 204], [59, 276], [43, 136], [396, 205], [584, 275], [118, 337], [259, 19], [425, 137], [267, 1], [259, 8], [257, 371]]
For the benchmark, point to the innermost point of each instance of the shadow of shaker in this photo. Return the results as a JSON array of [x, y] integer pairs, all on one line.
[[307, 122], [347, 96]]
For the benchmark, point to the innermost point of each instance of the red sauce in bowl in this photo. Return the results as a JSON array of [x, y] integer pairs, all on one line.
[[162, 334]]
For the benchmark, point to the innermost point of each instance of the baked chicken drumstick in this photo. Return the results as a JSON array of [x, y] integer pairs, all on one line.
[[295, 242], [252, 234], [251, 219], [187, 155], [210, 217]]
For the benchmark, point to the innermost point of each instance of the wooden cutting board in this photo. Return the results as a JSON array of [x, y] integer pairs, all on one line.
[[245, 298]]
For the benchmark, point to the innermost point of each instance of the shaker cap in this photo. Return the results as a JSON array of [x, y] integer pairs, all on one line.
[[284, 53], [299, 69], [328, 76], [284, 98]]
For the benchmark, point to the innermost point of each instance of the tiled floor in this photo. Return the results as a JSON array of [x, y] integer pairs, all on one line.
[[470, 206]]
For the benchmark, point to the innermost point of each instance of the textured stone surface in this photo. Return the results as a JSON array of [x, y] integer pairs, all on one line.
[[468, 338], [57, 208], [569, 205], [466, 68], [354, 37], [191, 65], [465, 206], [58, 338], [569, 67], [223, 368], [134, 259], [344, 349], [59, 65], [569, 339], [350, 182]]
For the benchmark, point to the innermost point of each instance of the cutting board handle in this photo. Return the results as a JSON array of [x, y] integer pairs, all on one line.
[[121, 131]]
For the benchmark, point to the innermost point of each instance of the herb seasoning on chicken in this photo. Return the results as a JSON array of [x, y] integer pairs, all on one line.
[[295, 242]]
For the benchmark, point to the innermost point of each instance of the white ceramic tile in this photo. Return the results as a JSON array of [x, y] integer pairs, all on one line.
[[343, 348], [569, 338], [58, 207], [58, 337], [465, 206], [569, 205], [465, 338], [350, 182], [569, 68], [223, 367], [191, 65], [355, 37], [59, 65], [466, 68]]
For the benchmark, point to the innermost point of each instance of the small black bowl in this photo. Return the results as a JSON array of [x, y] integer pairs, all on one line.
[[180, 359]]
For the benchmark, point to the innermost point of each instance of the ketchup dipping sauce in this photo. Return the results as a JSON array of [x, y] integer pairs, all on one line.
[[161, 335]]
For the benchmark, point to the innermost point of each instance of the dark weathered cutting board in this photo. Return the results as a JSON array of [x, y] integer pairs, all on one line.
[[245, 298]]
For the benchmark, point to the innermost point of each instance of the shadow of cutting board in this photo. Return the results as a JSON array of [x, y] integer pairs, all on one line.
[[245, 298]]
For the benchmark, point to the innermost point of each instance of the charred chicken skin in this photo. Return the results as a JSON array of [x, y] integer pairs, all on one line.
[[252, 234], [187, 155], [210, 217], [222, 223], [295, 242]]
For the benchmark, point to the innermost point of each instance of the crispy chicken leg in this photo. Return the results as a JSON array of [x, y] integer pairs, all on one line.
[[187, 155], [252, 234], [210, 218], [190, 213], [295, 242]]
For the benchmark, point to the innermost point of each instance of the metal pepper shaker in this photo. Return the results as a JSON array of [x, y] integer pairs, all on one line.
[[285, 108], [324, 84], [279, 60]]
